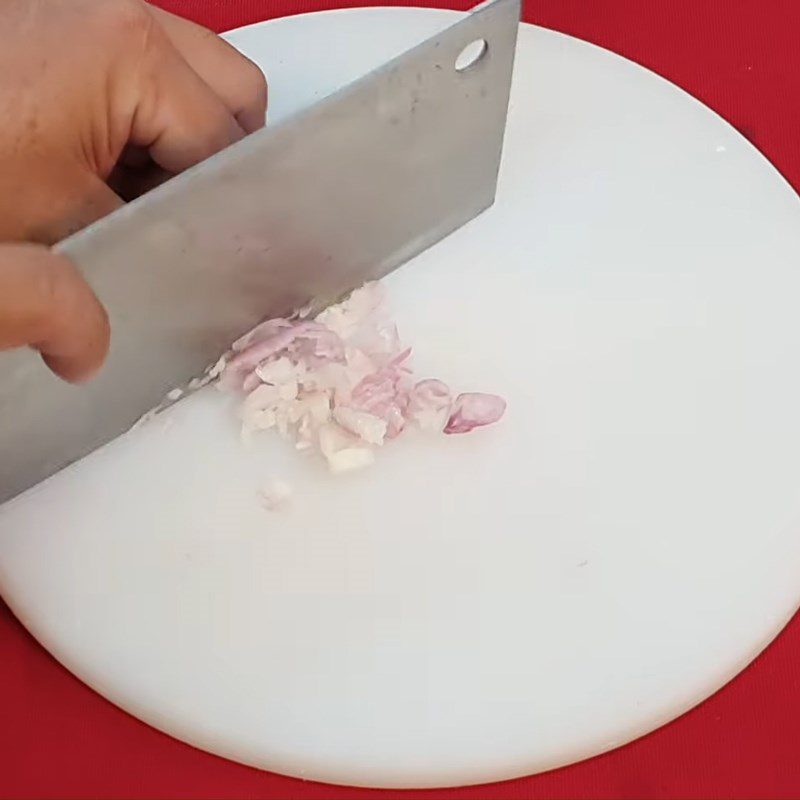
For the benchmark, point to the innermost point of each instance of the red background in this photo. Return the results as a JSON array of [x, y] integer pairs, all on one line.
[[58, 739]]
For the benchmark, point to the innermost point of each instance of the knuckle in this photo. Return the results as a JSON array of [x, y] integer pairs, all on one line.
[[254, 80], [205, 34], [123, 18]]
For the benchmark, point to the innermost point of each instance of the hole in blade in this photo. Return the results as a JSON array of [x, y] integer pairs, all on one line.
[[471, 55]]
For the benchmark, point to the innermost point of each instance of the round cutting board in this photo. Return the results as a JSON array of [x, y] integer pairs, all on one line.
[[480, 607]]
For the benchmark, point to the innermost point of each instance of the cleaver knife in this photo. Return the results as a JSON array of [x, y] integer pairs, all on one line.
[[295, 215]]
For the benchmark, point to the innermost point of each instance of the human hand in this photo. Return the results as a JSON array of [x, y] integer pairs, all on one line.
[[92, 93]]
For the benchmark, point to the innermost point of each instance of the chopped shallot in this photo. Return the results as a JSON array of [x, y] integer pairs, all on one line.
[[341, 384], [275, 495], [429, 404], [473, 410]]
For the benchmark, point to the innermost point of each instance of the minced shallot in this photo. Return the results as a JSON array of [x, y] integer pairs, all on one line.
[[341, 384], [275, 495]]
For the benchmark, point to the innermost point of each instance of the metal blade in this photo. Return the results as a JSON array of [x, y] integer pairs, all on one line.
[[341, 193]]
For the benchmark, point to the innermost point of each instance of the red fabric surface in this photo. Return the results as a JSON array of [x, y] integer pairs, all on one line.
[[58, 739]]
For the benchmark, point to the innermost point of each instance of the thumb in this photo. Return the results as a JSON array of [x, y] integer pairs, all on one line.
[[46, 304]]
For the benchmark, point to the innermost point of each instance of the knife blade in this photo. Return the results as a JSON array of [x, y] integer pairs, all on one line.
[[296, 214]]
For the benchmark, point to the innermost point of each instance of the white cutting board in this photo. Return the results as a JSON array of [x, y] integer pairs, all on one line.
[[481, 607]]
